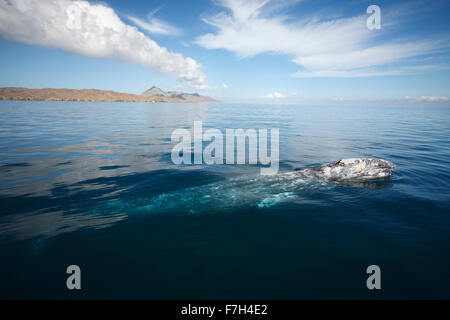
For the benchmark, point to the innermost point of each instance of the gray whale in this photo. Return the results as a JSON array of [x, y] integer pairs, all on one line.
[[265, 191], [257, 192]]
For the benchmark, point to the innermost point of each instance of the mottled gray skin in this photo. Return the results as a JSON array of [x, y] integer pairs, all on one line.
[[351, 169]]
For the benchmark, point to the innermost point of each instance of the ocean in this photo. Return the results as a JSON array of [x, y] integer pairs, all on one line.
[[93, 185]]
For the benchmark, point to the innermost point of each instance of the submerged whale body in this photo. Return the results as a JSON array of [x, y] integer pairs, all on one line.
[[257, 192], [265, 191]]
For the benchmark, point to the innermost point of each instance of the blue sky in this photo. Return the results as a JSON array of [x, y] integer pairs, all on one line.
[[283, 51]]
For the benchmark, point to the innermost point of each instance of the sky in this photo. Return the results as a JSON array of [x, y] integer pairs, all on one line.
[[268, 51]]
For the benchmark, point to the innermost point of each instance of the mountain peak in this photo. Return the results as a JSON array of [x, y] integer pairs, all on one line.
[[154, 92], [184, 97]]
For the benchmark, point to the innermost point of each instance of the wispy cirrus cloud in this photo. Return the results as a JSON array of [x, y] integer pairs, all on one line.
[[154, 25], [92, 30], [335, 47], [372, 72]]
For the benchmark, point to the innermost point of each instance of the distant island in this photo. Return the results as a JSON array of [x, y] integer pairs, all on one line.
[[152, 95]]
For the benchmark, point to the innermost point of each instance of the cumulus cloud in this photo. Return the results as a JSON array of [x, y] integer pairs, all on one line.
[[337, 47], [92, 30], [428, 99], [275, 95]]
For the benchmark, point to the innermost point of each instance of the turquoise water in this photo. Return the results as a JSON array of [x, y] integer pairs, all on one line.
[[93, 184]]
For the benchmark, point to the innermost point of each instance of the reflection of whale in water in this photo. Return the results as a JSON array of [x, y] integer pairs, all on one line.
[[264, 191]]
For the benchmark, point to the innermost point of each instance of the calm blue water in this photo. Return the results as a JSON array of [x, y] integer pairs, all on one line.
[[93, 184]]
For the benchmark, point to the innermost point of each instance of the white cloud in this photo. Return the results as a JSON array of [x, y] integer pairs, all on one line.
[[428, 99], [358, 73], [338, 47], [155, 26], [275, 95], [92, 30]]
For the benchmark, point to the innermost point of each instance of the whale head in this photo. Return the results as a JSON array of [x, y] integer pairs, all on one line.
[[354, 169]]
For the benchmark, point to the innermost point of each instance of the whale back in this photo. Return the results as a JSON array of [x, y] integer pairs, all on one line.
[[353, 169]]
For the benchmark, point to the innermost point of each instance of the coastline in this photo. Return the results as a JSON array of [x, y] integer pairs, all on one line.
[[89, 95]]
